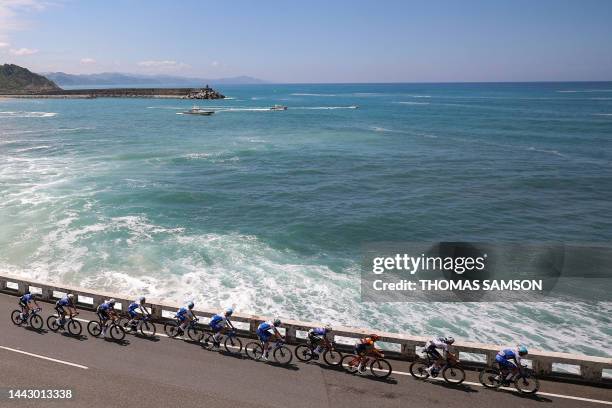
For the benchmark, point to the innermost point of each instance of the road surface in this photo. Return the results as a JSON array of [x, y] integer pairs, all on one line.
[[166, 372]]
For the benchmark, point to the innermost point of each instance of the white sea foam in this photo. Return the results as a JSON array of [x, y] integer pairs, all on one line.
[[413, 103], [324, 107], [23, 114], [553, 152], [312, 94], [585, 91]]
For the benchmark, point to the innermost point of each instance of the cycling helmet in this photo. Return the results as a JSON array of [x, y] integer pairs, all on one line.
[[142, 299], [190, 305], [449, 340], [522, 350], [374, 337], [277, 322], [229, 311], [70, 296], [112, 301]]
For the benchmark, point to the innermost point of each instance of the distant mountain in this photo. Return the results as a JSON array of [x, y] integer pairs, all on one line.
[[15, 79], [115, 78]]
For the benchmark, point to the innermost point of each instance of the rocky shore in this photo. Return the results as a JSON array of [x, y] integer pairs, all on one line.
[[176, 93]]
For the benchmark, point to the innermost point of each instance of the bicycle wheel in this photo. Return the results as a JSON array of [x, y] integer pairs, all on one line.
[[350, 363], [94, 328], [117, 332], [195, 334], [332, 357], [527, 384], [74, 327], [16, 317], [171, 329], [381, 368], [233, 344], [283, 355], [490, 378], [52, 323], [208, 341], [36, 322], [418, 369], [453, 375], [254, 350], [303, 353], [147, 329], [123, 322]]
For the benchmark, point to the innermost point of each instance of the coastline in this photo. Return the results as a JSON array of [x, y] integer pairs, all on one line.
[[165, 93]]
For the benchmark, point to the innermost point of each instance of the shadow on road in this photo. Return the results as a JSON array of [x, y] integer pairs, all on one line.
[[37, 331], [458, 387], [239, 356], [118, 342], [536, 397], [291, 367], [79, 337], [154, 339]]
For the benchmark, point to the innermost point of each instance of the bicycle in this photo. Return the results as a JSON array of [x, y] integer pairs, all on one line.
[[451, 371], [306, 352], [32, 318], [232, 343], [193, 332], [144, 325], [73, 326], [116, 332], [379, 367], [525, 382], [281, 353]]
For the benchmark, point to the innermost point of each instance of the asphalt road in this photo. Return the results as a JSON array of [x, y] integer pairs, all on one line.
[[166, 372]]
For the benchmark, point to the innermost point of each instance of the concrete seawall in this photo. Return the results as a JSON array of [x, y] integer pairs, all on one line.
[[590, 369]]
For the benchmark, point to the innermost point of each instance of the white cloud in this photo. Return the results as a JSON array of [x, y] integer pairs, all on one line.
[[23, 51], [215, 63], [87, 61], [4, 44]]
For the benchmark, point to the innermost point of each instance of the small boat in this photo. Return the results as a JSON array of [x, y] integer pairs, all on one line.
[[278, 108], [198, 111]]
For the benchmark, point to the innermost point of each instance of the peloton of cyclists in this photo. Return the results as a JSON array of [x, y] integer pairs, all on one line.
[[219, 323], [25, 302], [66, 301], [266, 331]]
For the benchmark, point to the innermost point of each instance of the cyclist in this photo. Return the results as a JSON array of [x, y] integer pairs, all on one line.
[[265, 332], [66, 301], [25, 302], [218, 325], [432, 347], [366, 347], [133, 308], [185, 315], [504, 358], [106, 311], [319, 336]]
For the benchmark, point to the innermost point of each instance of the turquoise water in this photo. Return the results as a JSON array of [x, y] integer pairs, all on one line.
[[269, 210]]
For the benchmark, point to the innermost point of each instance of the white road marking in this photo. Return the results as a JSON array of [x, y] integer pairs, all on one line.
[[45, 358]]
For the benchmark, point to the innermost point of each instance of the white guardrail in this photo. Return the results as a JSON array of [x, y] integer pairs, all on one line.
[[545, 364]]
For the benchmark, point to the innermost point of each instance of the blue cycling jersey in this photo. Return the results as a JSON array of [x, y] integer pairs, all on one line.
[[182, 311], [133, 306], [64, 301], [105, 307], [265, 326], [216, 319], [507, 354], [319, 331], [27, 298]]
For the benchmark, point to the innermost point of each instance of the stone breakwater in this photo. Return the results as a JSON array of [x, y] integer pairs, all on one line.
[[176, 93]]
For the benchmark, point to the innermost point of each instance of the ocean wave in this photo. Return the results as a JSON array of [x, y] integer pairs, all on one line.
[[602, 114], [413, 103], [324, 107], [585, 90], [312, 94], [553, 152], [23, 114]]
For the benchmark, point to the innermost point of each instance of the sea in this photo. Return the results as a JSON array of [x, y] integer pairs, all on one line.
[[268, 211]]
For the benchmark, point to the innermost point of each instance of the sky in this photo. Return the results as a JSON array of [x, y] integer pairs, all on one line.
[[315, 41]]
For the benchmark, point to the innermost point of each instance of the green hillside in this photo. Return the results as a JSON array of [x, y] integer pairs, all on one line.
[[15, 79]]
